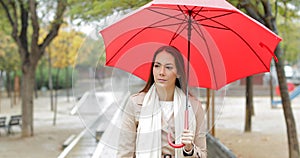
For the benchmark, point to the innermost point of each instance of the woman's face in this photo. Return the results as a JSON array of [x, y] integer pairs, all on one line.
[[164, 70]]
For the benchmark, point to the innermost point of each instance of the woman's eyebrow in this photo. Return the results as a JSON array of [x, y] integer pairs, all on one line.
[[167, 64]]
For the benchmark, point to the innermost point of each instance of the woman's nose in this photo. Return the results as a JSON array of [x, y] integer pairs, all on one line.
[[162, 71]]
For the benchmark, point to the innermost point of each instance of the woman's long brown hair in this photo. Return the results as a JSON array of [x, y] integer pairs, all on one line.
[[179, 62]]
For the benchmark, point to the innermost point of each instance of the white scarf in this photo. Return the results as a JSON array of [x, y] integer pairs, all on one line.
[[148, 142]]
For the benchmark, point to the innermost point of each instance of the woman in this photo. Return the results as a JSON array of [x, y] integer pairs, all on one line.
[[159, 109]]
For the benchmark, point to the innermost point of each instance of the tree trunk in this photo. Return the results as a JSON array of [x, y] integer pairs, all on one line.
[[249, 104], [213, 113], [0, 95], [36, 89], [271, 90], [16, 89], [269, 21], [287, 110], [27, 99], [50, 81], [8, 84], [68, 85], [56, 89], [286, 102], [10, 89], [208, 109], [41, 84]]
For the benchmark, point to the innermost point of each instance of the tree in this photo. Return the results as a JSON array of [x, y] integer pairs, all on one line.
[[249, 104], [95, 9], [9, 61], [64, 49], [287, 26], [25, 30], [261, 10]]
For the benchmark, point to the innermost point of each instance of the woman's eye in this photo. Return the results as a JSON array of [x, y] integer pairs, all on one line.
[[156, 65], [169, 67]]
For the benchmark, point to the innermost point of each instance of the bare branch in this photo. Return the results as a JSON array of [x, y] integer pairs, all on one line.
[[35, 26], [24, 24], [7, 13], [276, 9], [13, 22], [56, 23], [269, 19], [251, 10]]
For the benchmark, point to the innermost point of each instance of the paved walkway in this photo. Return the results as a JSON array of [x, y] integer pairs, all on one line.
[[96, 109], [84, 144]]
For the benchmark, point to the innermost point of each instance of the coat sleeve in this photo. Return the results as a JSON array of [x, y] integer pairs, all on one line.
[[127, 137], [200, 149]]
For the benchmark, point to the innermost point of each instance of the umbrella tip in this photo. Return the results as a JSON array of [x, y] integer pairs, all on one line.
[[269, 50]]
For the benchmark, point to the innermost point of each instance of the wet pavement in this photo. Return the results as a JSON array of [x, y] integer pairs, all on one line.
[[96, 108]]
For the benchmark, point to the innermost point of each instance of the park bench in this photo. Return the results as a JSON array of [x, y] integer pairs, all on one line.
[[3, 123], [15, 120]]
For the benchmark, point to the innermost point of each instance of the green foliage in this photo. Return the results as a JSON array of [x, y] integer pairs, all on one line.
[[64, 48], [94, 10], [9, 56], [42, 78], [288, 26], [4, 25], [91, 53], [287, 15], [291, 41]]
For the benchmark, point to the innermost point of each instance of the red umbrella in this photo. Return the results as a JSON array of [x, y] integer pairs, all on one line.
[[220, 43]]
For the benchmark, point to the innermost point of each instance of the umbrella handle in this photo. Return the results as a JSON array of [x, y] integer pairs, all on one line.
[[186, 126], [172, 144]]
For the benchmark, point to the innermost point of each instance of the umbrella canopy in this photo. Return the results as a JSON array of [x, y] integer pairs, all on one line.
[[220, 43], [223, 43]]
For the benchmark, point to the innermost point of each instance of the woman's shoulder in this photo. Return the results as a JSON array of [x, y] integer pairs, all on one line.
[[138, 98]]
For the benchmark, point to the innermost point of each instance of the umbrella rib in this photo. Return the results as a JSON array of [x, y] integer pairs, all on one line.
[[177, 33], [188, 8], [153, 26], [197, 12], [150, 26], [211, 19], [182, 13], [174, 24], [209, 53], [169, 16], [228, 28], [211, 26], [202, 36], [183, 21]]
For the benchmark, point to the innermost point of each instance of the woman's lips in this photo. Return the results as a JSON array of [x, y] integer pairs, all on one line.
[[162, 80]]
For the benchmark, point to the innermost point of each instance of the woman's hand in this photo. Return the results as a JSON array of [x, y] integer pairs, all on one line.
[[187, 138]]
